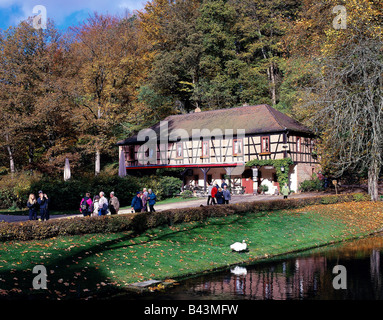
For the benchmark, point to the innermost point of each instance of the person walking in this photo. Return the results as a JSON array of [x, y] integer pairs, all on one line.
[[114, 204], [151, 200], [102, 205], [219, 196], [86, 205], [33, 206], [285, 191], [226, 195], [137, 203], [210, 198], [223, 184], [144, 199], [96, 206], [213, 194], [43, 202]]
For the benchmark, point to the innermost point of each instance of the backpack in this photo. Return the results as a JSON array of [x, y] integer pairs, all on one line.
[[84, 205]]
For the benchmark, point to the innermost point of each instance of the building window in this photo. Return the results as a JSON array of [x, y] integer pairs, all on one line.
[[179, 151], [237, 147], [149, 155], [205, 149], [265, 145], [298, 144], [129, 153]]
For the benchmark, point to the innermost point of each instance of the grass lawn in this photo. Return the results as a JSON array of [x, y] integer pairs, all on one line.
[[85, 266]]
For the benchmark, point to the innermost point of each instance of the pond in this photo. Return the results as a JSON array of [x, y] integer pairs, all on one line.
[[302, 276]]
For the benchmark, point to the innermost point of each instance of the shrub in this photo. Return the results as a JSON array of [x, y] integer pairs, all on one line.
[[311, 185], [66, 195], [15, 189], [169, 187], [361, 197], [140, 222], [187, 194]]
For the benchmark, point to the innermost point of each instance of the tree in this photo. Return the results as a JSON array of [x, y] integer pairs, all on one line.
[[261, 26], [348, 96], [353, 108], [176, 43], [35, 114], [110, 63]]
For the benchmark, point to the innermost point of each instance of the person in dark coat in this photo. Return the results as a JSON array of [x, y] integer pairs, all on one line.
[[137, 203], [43, 202], [219, 196], [151, 200], [223, 184], [226, 194], [33, 207], [86, 205]]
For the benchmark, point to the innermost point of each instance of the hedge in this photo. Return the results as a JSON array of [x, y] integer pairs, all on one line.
[[66, 195], [139, 222]]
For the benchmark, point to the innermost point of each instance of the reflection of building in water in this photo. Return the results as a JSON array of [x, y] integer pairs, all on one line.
[[288, 280]]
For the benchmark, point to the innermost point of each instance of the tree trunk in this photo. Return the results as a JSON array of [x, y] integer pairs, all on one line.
[[10, 153], [373, 176], [31, 151], [273, 85], [271, 75], [97, 162], [97, 167]]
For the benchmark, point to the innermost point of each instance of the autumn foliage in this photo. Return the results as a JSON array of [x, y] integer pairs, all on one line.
[[74, 94]]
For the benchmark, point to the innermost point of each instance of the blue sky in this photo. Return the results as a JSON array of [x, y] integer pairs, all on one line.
[[64, 13]]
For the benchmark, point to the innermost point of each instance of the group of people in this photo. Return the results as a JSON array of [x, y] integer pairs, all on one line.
[[142, 199], [222, 195], [38, 205], [100, 205], [217, 194]]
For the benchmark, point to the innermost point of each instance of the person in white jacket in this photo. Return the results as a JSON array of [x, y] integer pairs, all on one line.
[[102, 205], [96, 206]]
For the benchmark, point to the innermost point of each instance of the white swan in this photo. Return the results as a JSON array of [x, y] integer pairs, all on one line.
[[239, 246], [239, 271]]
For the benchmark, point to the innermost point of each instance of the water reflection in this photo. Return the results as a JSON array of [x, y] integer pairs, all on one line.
[[280, 281], [302, 276]]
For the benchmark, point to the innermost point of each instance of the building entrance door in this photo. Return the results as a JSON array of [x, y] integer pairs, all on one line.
[[247, 183]]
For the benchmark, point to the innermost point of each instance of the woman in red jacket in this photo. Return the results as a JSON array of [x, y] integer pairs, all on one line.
[[213, 193]]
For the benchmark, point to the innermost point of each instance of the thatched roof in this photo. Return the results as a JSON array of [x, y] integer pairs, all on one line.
[[257, 119]]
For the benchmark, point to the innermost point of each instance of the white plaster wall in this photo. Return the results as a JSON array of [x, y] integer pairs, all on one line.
[[267, 179], [293, 174]]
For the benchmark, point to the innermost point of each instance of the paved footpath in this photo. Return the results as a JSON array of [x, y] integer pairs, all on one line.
[[161, 207]]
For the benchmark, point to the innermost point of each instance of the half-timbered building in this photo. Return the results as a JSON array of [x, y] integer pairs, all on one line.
[[213, 145]]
